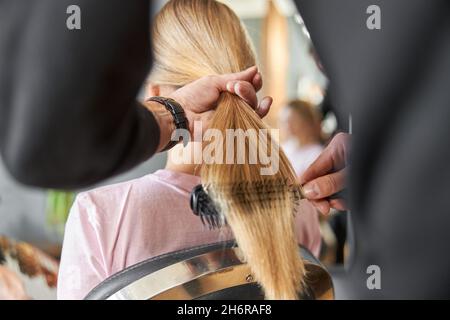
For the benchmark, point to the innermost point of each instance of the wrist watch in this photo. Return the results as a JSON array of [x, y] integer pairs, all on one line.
[[178, 114]]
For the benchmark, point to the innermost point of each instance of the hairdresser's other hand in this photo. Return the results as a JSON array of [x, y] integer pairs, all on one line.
[[327, 175], [199, 98]]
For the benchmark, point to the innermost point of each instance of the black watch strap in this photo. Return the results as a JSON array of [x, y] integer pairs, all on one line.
[[178, 114]]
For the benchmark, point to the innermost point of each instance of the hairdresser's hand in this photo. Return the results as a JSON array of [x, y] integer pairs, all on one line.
[[327, 175], [199, 98]]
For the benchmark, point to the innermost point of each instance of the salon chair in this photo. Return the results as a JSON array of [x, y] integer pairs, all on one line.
[[208, 272]]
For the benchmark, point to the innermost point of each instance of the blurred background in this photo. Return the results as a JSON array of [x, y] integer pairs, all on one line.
[[291, 72]]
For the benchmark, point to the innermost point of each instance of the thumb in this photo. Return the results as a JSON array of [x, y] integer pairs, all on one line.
[[325, 186]]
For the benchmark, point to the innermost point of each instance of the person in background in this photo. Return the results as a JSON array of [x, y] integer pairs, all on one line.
[[303, 134]]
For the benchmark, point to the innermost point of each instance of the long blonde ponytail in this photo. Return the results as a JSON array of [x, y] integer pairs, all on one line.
[[194, 38]]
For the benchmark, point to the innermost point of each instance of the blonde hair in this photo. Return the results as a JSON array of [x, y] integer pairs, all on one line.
[[195, 38]]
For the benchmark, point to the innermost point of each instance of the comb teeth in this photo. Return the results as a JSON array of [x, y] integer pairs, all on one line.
[[260, 186], [212, 221], [262, 191]]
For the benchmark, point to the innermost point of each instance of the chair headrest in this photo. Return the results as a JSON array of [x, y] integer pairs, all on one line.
[[212, 271]]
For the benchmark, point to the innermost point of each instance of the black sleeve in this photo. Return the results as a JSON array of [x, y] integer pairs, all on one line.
[[68, 110], [395, 83]]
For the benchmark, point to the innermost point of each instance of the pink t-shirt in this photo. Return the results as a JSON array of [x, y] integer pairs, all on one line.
[[116, 226]]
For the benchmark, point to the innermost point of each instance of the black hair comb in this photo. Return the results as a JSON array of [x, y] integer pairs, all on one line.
[[203, 206]]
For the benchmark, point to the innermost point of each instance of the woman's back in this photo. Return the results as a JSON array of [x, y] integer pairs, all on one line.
[[116, 226]]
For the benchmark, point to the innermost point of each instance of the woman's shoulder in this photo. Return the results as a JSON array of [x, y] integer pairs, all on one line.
[[143, 191], [96, 206], [116, 188], [112, 193], [158, 180]]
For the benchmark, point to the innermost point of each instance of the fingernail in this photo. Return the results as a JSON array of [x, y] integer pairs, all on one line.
[[237, 87], [268, 102], [265, 104], [230, 86], [310, 190]]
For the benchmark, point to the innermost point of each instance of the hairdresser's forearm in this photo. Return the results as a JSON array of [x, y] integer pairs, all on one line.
[[77, 147]]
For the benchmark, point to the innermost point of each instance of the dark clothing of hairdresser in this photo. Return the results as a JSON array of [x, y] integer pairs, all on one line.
[[394, 82], [68, 110], [68, 117]]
